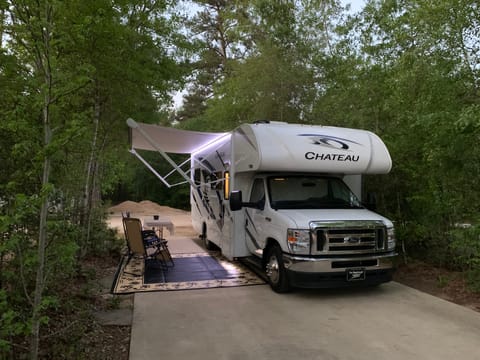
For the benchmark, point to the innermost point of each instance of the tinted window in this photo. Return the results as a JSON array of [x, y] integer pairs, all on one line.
[[258, 191], [310, 192]]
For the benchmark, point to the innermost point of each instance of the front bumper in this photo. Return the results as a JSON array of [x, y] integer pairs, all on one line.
[[310, 272]]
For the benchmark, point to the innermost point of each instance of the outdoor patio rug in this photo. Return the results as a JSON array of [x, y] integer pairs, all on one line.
[[191, 271]]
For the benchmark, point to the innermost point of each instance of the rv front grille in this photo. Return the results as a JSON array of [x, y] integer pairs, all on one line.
[[350, 239]]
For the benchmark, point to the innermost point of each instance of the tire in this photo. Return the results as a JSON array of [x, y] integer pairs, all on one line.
[[275, 270], [208, 244]]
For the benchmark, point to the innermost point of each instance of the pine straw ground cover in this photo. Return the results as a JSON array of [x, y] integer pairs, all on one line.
[[73, 330], [448, 285], [105, 341]]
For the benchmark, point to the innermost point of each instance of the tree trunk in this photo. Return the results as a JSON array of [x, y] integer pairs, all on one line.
[[90, 178], [42, 61], [42, 239]]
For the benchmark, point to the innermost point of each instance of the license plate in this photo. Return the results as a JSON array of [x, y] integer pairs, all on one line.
[[356, 274]]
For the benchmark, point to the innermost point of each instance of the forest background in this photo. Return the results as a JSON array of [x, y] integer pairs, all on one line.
[[72, 72]]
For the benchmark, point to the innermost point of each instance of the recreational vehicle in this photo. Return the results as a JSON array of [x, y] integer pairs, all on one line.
[[285, 197]]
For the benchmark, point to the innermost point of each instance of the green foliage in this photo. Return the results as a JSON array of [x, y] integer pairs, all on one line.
[[70, 74], [442, 281], [407, 70], [114, 302], [465, 245], [473, 279], [103, 241], [19, 260], [268, 86], [11, 325], [141, 184], [465, 250]]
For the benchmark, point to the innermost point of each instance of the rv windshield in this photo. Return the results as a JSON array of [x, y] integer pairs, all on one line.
[[310, 192]]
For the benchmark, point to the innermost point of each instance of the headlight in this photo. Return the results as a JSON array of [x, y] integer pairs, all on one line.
[[391, 239], [298, 241]]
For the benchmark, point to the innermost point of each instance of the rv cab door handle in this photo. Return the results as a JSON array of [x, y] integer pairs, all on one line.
[[267, 218]]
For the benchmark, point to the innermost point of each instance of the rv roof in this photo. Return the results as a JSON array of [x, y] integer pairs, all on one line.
[[275, 147], [295, 147]]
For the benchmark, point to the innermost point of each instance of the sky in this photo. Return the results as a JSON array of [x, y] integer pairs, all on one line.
[[355, 5]]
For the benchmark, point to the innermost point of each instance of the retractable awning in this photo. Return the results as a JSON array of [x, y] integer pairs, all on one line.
[[168, 140]]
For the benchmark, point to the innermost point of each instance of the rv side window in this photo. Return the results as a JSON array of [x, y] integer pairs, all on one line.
[[341, 191], [216, 181], [205, 177], [201, 176], [258, 191], [196, 176]]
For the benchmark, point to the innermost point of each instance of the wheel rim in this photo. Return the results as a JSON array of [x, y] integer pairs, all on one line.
[[272, 269]]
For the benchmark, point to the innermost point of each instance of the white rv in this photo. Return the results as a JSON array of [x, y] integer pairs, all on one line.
[[286, 197]]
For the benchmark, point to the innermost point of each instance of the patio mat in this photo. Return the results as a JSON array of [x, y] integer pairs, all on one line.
[[191, 271]]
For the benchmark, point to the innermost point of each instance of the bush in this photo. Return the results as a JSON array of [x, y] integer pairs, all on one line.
[[465, 251]]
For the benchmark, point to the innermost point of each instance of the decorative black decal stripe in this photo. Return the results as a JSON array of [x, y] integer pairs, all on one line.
[[221, 208], [329, 141], [207, 164], [252, 239], [203, 188], [250, 220], [196, 203], [250, 235], [206, 204], [218, 194], [221, 160]]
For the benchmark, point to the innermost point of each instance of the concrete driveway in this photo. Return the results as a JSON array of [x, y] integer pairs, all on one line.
[[389, 322], [252, 322]]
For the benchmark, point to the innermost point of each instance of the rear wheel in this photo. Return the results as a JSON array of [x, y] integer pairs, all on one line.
[[275, 270], [208, 244]]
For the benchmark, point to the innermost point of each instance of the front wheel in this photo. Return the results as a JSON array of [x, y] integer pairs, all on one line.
[[275, 270]]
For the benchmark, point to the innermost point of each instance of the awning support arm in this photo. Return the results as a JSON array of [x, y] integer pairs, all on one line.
[[145, 162], [133, 124], [180, 166]]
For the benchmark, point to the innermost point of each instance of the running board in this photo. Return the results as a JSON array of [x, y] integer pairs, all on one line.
[[255, 264]]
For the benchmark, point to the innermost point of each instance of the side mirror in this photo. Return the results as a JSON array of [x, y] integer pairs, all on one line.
[[236, 200]]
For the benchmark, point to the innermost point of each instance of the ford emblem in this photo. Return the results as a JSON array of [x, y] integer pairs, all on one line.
[[351, 240]]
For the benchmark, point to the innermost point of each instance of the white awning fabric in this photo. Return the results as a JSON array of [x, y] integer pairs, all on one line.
[[168, 139]]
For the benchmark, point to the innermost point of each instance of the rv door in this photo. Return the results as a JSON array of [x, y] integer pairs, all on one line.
[[255, 217]]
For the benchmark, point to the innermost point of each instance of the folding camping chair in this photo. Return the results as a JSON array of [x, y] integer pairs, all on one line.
[[145, 244]]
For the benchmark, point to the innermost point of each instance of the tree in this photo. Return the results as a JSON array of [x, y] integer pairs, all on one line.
[[65, 98], [276, 80], [219, 41], [36, 23], [410, 80]]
